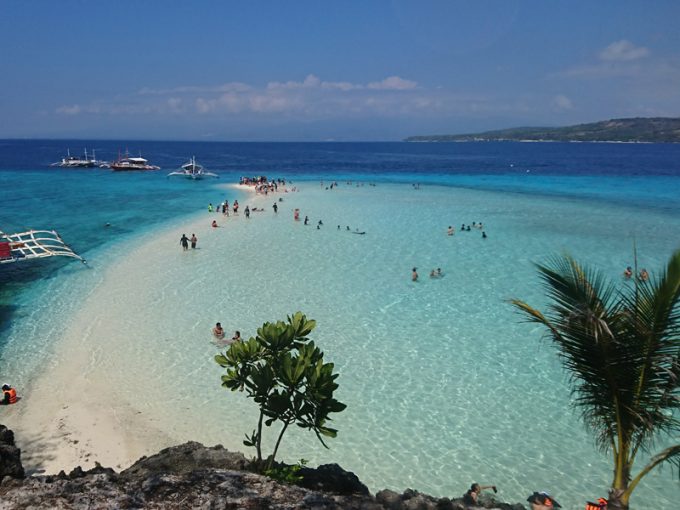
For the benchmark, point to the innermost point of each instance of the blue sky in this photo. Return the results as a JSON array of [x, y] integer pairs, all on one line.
[[330, 70]]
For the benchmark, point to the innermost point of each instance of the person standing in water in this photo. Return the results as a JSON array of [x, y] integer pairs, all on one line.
[[414, 275], [194, 240], [184, 242], [275, 207]]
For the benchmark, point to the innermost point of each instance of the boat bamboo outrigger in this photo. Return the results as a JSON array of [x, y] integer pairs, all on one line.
[[33, 244], [192, 170]]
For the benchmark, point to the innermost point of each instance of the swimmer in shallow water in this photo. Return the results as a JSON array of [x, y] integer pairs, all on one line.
[[414, 275], [644, 275], [218, 331]]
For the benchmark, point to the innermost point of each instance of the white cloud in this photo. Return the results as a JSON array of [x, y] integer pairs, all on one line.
[[175, 104], [393, 83], [562, 102], [310, 98], [196, 89], [623, 51], [310, 81], [69, 110]]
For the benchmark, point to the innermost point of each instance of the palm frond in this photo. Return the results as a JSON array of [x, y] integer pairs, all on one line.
[[621, 350]]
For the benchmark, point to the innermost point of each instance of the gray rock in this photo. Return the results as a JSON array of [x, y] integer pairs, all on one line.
[[10, 455], [332, 478], [194, 476]]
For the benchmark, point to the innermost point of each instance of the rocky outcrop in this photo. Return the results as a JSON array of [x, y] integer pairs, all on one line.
[[10, 455], [194, 476]]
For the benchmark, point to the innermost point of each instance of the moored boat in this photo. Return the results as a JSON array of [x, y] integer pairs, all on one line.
[[192, 170], [33, 244], [77, 162], [127, 163]]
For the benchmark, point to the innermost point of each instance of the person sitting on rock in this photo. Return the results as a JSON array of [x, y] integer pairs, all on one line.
[[470, 497]]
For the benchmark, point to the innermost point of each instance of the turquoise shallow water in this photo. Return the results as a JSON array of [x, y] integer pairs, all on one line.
[[444, 384]]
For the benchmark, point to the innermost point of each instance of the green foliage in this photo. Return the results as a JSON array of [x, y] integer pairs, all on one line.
[[287, 474], [284, 373], [622, 349]]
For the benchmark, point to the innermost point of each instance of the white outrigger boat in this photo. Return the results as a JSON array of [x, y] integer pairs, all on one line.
[[127, 163], [33, 244], [77, 162], [192, 170]]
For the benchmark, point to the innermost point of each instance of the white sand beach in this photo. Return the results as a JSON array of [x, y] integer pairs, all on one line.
[[82, 409]]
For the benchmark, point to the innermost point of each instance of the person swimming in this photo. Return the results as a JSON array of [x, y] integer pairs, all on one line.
[[218, 331], [414, 275], [628, 273]]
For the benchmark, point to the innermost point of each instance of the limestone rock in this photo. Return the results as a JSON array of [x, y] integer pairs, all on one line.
[[10, 455], [194, 476]]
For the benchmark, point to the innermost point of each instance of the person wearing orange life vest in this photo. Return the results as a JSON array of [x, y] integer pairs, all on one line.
[[600, 505], [542, 501], [9, 395]]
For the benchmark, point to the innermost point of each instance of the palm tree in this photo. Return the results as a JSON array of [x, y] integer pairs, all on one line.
[[622, 350]]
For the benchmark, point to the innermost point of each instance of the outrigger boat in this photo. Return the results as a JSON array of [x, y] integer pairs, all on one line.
[[192, 170], [33, 244], [127, 163], [76, 162]]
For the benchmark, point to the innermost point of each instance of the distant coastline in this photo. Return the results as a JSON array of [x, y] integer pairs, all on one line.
[[634, 130]]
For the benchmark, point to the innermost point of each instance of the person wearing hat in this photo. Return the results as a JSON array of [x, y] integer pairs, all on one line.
[[9, 395]]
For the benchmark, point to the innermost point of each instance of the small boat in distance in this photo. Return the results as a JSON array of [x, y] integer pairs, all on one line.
[[192, 170], [76, 162], [127, 163]]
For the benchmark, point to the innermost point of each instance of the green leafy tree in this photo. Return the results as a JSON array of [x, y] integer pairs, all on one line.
[[622, 349], [284, 373]]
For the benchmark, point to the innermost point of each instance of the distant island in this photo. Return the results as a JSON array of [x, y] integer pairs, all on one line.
[[649, 130]]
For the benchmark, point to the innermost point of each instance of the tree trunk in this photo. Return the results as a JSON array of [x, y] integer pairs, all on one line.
[[617, 500]]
